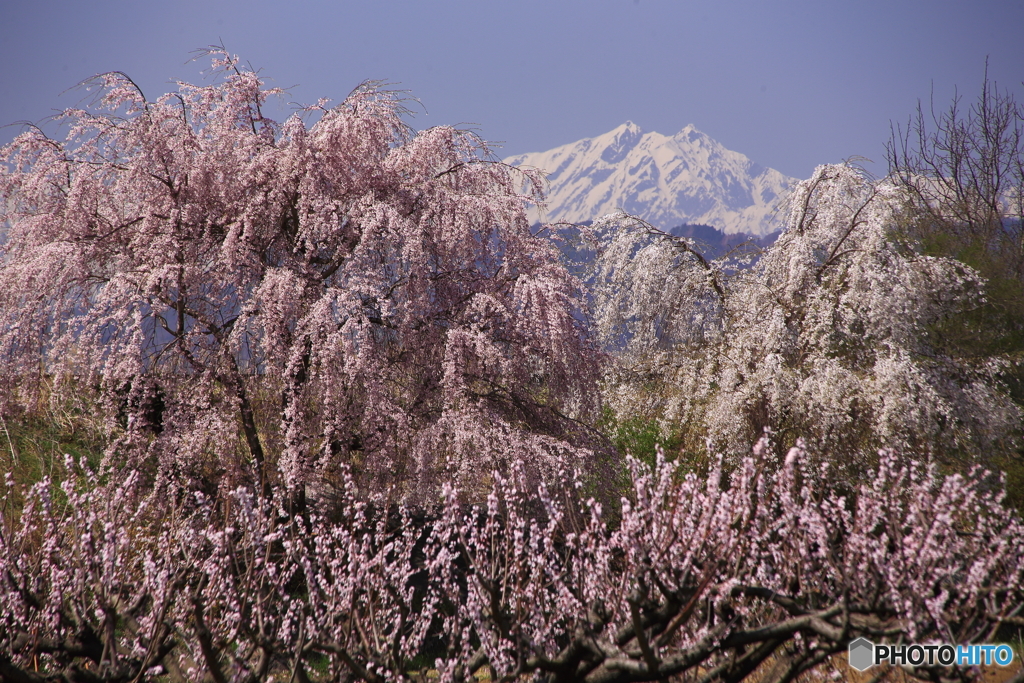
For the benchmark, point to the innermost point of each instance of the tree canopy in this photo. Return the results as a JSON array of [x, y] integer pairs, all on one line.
[[829, 337], [341, 290]]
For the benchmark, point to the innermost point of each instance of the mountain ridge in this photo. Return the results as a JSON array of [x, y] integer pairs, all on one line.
[[666, 180]]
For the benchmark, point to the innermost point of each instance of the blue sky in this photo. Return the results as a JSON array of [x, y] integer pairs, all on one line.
[[790, 83]]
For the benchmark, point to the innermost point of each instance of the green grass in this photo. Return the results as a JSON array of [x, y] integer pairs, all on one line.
[[33, 447]]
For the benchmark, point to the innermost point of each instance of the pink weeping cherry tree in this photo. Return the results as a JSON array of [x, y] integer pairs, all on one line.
[[260, 300], [733, 577]]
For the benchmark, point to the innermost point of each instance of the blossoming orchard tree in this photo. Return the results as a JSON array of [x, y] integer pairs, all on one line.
[[828, 337], [731, 578], [298, 294]]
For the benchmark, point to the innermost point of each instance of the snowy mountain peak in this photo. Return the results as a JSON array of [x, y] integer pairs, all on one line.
[[618, 142], [685, 178], [690, 136]]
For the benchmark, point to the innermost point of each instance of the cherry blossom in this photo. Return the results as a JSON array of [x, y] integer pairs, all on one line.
[[259, 300], [827, 337]]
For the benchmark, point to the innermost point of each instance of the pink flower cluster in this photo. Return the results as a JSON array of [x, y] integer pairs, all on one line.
[[712, 576], [341, 287]]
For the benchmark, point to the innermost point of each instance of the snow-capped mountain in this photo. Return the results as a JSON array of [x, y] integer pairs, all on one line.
[[685, 178]]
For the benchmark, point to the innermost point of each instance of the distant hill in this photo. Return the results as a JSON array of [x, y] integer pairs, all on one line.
[[713, 243], [668, 181]]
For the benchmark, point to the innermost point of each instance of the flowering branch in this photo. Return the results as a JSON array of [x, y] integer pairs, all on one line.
[[716, 576]]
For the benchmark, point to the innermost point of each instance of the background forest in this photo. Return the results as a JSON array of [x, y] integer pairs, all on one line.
[[311, 400]]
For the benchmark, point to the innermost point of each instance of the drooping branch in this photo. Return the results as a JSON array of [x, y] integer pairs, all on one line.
[[206, 248]]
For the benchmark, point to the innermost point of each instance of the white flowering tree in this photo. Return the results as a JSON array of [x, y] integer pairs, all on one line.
[[828, 337], [254, 299]]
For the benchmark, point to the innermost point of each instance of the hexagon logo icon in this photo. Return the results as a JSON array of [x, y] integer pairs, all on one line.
[[861, 654]]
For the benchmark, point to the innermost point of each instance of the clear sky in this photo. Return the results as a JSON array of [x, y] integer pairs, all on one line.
[[790, 83]]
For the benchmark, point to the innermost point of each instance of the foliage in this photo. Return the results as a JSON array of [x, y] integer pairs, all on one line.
[[713, 575], [302, 295], [641, 439], [828, 337]]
